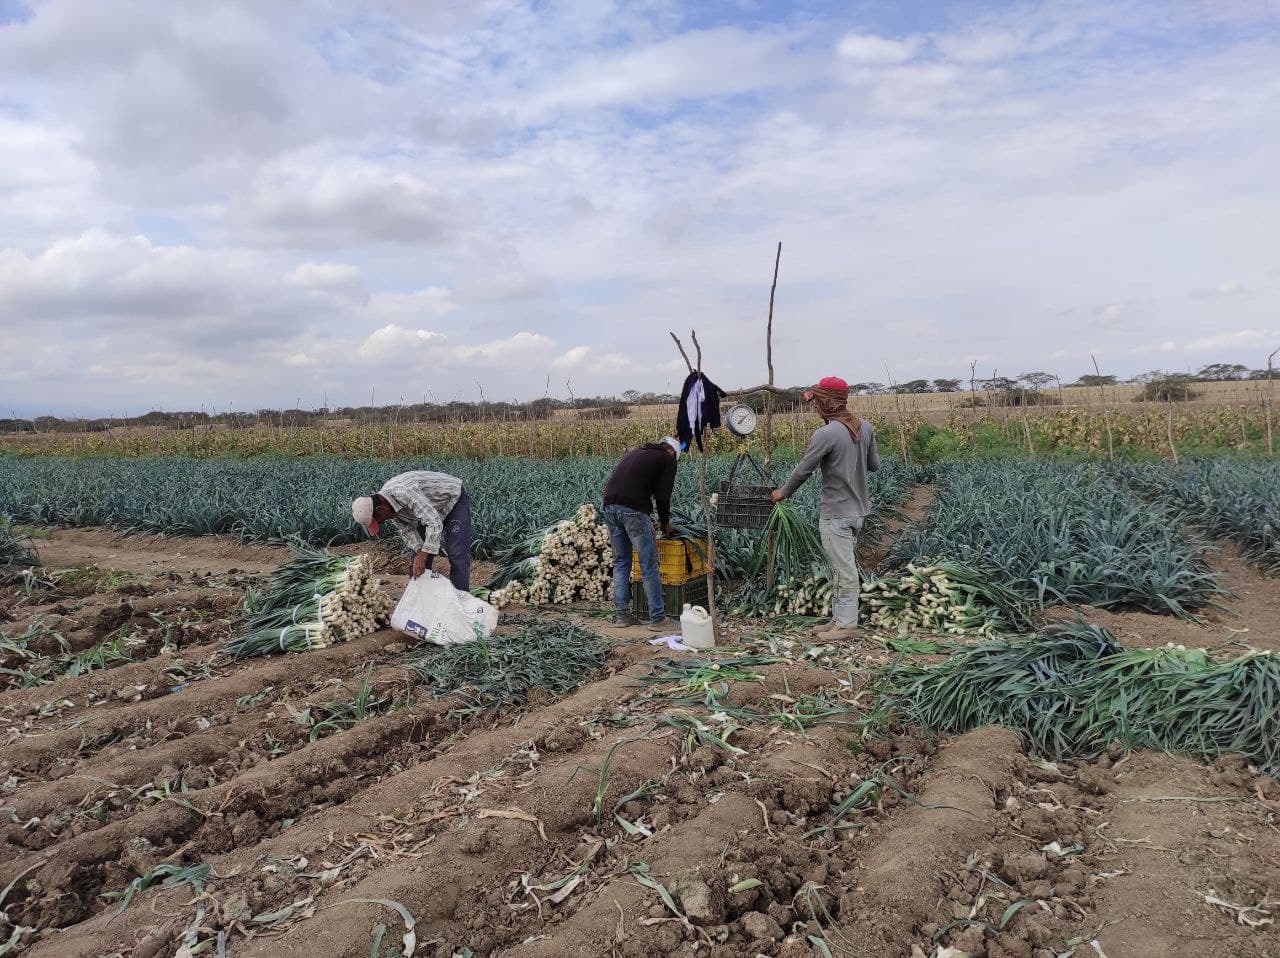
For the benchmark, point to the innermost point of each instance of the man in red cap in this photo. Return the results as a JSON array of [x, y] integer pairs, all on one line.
[[845, 449]]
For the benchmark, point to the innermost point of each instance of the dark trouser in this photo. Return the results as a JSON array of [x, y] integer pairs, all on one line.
[[456, 543], [628, 528]]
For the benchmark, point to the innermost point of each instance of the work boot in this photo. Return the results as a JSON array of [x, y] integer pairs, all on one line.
[[625, 619], [663, 625], [842, 633]]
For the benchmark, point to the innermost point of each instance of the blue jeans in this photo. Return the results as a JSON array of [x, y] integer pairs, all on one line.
[[628, 528], [456, 543]]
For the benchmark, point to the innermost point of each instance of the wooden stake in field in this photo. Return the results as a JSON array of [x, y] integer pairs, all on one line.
[[1106, 410], [707, 511], [1271, 402], [768, 412]]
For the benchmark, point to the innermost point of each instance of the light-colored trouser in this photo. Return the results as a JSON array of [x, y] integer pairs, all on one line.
[[840, 544]]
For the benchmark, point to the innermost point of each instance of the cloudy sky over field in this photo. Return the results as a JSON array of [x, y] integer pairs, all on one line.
[[263, 204]]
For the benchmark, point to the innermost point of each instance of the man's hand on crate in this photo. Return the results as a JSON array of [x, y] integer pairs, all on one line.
[[777, 495]]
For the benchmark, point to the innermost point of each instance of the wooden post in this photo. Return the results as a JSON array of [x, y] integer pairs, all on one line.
[[973, 394], [707, 511], [1271, 402], [772, 547], [1173, 450], [710, 513], [902, 428], [1106, 411], [768, 350]]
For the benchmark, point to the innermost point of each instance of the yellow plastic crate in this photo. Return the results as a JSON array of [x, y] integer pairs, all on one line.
[[679, 561]]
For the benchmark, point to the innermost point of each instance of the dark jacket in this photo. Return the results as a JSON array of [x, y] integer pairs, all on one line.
[[706, 416], [643, 478]]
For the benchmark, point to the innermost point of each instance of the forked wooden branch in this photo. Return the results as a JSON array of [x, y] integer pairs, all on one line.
[[683, 354]]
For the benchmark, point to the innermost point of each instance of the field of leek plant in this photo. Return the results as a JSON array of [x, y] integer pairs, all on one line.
[[1233, 499], [277, 500], [1062, 533]]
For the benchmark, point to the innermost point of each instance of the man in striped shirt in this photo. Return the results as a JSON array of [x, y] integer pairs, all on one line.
[[431, 511]]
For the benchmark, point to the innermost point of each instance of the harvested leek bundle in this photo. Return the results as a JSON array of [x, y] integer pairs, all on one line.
[[312, 601], [801, 585], [1073, 690], [571, 561], [790, 595], [945, 597]]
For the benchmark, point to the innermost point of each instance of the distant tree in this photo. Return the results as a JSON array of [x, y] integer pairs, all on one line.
[[1219, 372], [997, 384], [1167, 387], [1036, 381], [946, 385], [1094, 381], [914, 386], [873, 389], [1258, 374], [631, 395]]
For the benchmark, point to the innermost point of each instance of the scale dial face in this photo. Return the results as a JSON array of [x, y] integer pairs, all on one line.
[[741, 419]]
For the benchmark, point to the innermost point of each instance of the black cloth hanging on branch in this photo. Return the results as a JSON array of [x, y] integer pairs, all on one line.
[[699, 409]]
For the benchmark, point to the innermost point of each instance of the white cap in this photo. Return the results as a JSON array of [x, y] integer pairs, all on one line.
[[362, 510], [673, 443]]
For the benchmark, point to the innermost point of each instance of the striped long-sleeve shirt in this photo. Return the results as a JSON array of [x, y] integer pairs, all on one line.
[[421, 500]]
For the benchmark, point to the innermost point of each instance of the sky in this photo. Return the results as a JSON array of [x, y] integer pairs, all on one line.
[[239, 204]]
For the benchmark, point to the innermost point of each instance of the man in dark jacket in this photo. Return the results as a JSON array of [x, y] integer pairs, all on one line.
[[641, 481]]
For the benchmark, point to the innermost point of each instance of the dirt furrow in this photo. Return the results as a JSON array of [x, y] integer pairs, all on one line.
[[953, 814], [1178, 833], [32, 756], [556, 728], [240, 812], [262, 732]]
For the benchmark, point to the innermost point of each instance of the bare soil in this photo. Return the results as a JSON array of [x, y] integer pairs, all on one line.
[[584, 826]]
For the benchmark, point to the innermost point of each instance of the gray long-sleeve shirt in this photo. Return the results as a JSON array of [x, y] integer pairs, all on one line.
[[845, 465], [421, 500]]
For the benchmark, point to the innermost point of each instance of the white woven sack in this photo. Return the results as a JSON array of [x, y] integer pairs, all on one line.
[[432, 610]]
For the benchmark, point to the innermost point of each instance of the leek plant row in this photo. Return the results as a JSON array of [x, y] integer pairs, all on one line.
[[1233, 499], [1062, 533]]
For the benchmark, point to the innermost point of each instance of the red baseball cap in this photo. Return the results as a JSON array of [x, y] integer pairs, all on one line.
[[828, 382]]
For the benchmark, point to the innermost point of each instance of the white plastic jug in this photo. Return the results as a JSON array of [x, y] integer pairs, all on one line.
[[695, 628]]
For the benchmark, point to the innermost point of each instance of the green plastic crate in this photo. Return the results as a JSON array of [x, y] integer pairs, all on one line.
[[675, 597]]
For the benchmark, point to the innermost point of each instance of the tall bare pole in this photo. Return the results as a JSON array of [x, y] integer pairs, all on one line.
[[768, 350], [772, 547], [707, 511], [1271, 401], [1106, 410]]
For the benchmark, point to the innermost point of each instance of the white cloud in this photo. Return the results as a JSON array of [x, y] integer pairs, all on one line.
[[1234, 340], [393, 342], [871, 49], [522, 347], [595, 360], [572, 358], [691, 65], [398, 345], [326, 275], [304, 201], [1223, 290]]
